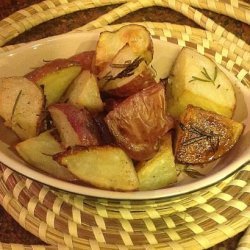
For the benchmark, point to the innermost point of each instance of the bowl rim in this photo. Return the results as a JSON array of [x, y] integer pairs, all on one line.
[[168, 192]]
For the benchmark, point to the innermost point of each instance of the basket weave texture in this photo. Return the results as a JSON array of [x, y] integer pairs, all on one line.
[[195, 221]]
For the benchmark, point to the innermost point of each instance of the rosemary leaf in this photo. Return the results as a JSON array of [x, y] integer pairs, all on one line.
[[15, 104], [182, 126], [18, 125], [206, 74], [193, 173], [207, 77], [193, 140], [211, 137], [47, 154], [128, 71], [195, 78], [215, 73]]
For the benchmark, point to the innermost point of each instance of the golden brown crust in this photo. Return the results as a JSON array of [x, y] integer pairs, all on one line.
[[204, 136]]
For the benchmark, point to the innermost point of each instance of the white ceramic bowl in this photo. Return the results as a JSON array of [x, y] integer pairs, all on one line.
[[21, 60]]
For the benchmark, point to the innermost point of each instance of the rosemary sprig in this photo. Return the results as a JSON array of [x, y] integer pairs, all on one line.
[[189, 170], [192, 172], [128, 71], [50, 155], [211, 137], [207, 77], [193, 140], [18, 125], [15, 104]]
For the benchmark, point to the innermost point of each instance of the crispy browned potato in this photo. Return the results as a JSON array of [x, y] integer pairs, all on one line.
[[204, 136], [140, 121], [103, 167], [21, 106], [75, 126], [136, 36]]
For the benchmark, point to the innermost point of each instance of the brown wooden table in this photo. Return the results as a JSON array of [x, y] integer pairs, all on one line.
[[10, 230]]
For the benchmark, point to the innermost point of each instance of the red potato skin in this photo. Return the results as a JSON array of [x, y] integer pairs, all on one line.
[[106, 137], [49, 68], [144, 80], [128, 37], [112, 103], [82, 123], [85, 59], [140, 121]]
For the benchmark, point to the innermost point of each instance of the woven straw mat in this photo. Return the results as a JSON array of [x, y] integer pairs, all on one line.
[[195, 221]]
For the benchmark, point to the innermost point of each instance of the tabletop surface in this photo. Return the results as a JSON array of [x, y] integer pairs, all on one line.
[[10, 230]]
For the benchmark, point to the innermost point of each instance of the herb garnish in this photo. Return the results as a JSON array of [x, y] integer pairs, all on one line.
[[50, 155], [211, 137], [189, 170], [15, 104], [120, 65], [193, 173], [128, 71], [207, 78]]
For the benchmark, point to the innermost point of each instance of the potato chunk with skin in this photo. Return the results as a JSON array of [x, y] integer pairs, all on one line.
[[140, 121], [38, 152], [204, 136], [136, 36], [21, 106], [76, 126], [140, 78], [55, 77], [103, 167], [124, 57], [159, 171], [197, 80], [85, 59]]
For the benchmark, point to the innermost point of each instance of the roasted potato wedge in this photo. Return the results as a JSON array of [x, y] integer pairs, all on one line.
[[124, 58], [38, 152], [21, 106], [103, 167], [55, 77], [84, 93], [204, 136], [75, 126], [140, 121], [136, 36], [197, 80], [159, 171]]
